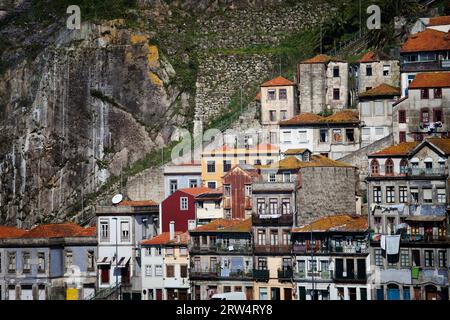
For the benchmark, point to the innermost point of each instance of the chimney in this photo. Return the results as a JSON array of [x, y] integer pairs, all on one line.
[[171, 230]]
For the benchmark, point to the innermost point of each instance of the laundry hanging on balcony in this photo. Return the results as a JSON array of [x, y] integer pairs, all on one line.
[[390, 243], [399, 207]]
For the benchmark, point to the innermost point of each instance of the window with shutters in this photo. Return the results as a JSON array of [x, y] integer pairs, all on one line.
[[427, 195], [184, 270], [170, 271], [125, 230], [26, 263]]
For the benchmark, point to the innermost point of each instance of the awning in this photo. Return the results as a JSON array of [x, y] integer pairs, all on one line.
[[104, 261], [426, 218], [123, 262]]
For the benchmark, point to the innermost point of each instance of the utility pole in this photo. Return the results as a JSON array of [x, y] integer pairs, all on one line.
[[241, 100], [321, 37]]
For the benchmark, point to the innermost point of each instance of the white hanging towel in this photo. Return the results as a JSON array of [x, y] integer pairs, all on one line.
[[392, 244], [383, 242]]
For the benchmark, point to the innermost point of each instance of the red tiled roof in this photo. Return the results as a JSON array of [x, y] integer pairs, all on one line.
[[374, 56], [223, 225], [60, 230], [439, 21], [400, 149], [343, 222], [278, 81], [196, 191], [164, 239], [382, 90], [11, 232], [427, 40], [343, 116], [293, 163], [431, 80], [142, 203], [321, 58], [441, 143]]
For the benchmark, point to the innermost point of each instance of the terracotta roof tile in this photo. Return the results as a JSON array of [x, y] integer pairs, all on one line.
[[427, 40], [431, 80], [11, 232], [293, 163], [180, 238], [374, 56], [439, 21], [278, 81], [382, 90], [343, 116], [400, 149], [338, 223], [60, 230], [322, 58], [441, 143], [142, 203], [195, 191], [223, 225]]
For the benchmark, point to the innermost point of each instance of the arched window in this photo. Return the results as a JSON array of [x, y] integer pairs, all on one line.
[[375, 167], [389, 167], [403, 166]]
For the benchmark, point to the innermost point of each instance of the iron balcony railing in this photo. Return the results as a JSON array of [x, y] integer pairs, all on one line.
[[262, 275], [418, 237], [350, 277], [272, 249], [220, 248], [285, 274], [218, 273], [318, 275], [426, 171], [304, 249]]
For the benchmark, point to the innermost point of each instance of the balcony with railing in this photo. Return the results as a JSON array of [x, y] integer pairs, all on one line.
[[261, 275], [285, 275], [221, 248], [282, 249], [426, 172], [204, 273], [319, 275], [350, 277], [279, 219], [300, 249], [434, 65], [424, 238]]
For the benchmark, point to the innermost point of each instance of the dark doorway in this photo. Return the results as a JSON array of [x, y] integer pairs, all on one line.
[[287, 293]]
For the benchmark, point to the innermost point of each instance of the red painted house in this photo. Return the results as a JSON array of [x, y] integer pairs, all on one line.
[[237, 191], [180, 208]]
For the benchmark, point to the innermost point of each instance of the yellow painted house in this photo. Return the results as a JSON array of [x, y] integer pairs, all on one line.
[[217, 162]]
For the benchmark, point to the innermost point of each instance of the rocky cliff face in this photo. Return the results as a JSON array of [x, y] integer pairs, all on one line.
[[94, 101], [78, 106]]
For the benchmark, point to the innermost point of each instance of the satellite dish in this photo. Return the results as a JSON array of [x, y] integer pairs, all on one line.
[[117, 198]]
